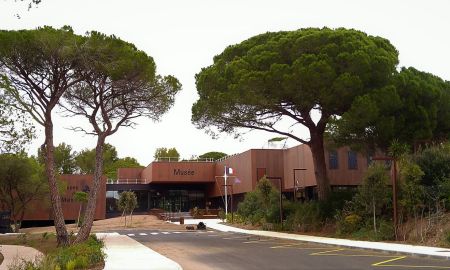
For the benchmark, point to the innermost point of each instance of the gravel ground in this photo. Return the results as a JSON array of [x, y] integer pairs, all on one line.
[[111, 224]]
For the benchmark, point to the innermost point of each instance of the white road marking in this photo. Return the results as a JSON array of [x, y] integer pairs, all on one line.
[[176, 232], [130, 234], [142, 234], [165, 233], [154, 233]]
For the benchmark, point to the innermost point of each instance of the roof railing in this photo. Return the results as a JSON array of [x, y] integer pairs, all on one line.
[[178, 159], [127, 181]]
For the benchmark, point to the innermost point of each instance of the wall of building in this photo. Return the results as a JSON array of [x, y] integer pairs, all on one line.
[[41, 210], [129, 173], [343, 176], [242, 169], [298, 157], [181, 172]]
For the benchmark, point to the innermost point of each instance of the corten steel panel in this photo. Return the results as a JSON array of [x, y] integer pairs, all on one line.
[[41, 210], [242, 169], [182, 172], [129, 173], [298, 157], [343, 175], [271, 160], [147, 173], [301, 157]]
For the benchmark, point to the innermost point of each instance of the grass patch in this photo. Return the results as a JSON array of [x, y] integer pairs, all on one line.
[[87, 255]]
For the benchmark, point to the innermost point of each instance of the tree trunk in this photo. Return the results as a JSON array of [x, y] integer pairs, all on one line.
[[89, 214], [79, 213], [320, 168], [18, 224], [131, 218], [58, 215]]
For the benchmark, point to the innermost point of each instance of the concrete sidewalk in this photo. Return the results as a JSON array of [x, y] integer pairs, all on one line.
[[126, 253], [379, 246], [13, 253]]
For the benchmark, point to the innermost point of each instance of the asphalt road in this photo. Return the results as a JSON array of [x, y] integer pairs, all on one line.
[[195, 250]]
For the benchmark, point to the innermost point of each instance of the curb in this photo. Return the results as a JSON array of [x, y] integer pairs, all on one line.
[[331, 242]]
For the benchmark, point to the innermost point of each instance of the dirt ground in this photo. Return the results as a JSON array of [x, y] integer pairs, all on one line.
[[111, 224]]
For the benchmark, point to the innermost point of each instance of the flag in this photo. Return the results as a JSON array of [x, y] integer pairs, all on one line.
[[229, 171]]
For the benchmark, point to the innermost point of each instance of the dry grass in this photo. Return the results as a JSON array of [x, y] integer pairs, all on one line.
[[111, 224], [37, 241]]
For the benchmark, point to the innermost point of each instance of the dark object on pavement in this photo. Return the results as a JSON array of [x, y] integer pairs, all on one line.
[[181, 220], [201, 226], [190, 227], [5, 222]]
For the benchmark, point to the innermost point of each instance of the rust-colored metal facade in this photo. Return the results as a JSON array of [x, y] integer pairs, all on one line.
[[41, 210], [250, 165], [162, 178]]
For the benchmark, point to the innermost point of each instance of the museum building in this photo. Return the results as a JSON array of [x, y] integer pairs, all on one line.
[[178, 186]]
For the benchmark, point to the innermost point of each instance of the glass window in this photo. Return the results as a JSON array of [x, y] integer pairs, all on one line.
[[352, 160], [333, 160]]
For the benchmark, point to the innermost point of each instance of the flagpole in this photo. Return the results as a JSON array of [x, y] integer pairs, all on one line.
[[226, 195]]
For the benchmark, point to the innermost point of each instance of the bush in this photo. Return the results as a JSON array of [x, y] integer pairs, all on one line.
[[307, 217], [261, 205], [236, 218], [349, 224], [77, 256]]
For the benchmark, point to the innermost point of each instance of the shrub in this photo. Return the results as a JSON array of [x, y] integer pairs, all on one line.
[[80, 255], [349, 224], [261, 205], [307, 217]]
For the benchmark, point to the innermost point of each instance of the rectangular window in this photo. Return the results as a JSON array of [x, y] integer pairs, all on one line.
[[333, 160], [352, 160]]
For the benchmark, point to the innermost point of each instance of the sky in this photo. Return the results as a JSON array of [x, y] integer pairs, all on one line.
[[183, 36]]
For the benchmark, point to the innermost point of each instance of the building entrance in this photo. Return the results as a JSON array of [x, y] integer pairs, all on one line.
[[177, 200], [168, 198]]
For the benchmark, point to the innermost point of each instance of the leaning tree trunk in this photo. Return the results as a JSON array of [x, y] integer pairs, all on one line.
[[89, 214], [320, 168], [58, 215]]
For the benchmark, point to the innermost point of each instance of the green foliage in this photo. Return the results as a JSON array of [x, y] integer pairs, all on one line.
[[288, 75], [126, 162], [127, 201], [373, 194], [22, 181], [307, 68], [84, 254], [261, 205], [85, 160], [349, 224], [164, 153], [305, 217], [412, 193], [213, 155], [16, 131], [80, 196], [64, 159], [435, 163], [412, 108]]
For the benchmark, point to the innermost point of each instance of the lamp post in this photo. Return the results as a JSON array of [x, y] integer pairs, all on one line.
[[394, 191], [295, 182], [232, 215]]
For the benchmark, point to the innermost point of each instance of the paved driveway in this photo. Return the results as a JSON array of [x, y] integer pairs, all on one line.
[[223, 250]]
